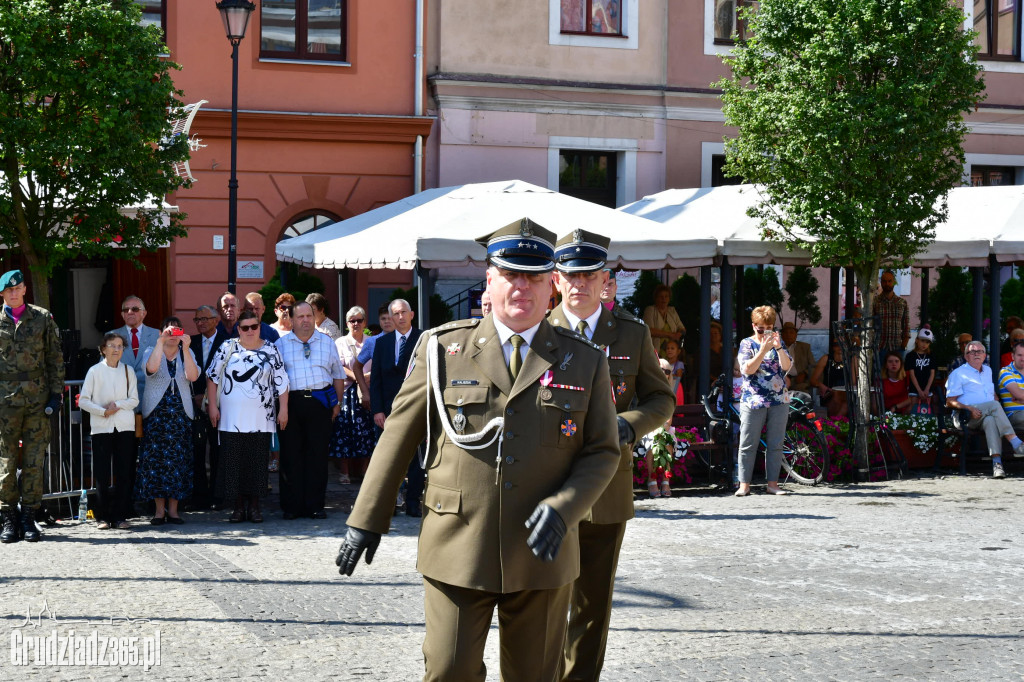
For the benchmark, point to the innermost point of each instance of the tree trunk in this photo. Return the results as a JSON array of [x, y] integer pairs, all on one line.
[[866, 282]]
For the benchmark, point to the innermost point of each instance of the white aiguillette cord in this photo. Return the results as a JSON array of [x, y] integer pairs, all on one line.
[[462, 440]]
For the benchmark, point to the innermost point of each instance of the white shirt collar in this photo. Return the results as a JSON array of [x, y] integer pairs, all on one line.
[[591, 321], [504, 333]]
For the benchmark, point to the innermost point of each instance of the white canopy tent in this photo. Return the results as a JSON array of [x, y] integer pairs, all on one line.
[[439, 227]]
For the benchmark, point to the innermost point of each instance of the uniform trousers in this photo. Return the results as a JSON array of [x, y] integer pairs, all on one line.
[[30, 425], [531, 629], [304, 443], [112, 455], [590, 606]]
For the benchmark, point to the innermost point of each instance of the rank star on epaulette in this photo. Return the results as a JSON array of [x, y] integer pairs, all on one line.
[[453, 348]]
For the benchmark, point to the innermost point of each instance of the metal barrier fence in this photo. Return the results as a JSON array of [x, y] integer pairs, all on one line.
[[68, 468]]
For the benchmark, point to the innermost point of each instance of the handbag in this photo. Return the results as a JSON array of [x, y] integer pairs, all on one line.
[[922, 408], [138, 417]]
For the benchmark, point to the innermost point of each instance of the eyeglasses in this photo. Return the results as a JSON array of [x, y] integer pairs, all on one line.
[[132, 309], [306, 349], [197, 320], [976, 351], [116, 349], [250, 328], [761, 330], [359, 320], [285, 309]]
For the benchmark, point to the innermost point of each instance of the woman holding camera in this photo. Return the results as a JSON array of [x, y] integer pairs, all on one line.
[[764, 362], [283, 309], [243, 381], [165, 455]]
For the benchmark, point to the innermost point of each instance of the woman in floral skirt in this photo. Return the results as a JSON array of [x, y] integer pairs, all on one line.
[[353, 429]]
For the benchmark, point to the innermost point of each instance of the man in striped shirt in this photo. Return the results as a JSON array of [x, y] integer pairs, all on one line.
[[1011, 388]]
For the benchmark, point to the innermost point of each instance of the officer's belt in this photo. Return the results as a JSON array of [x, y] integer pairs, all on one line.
[[22, 376]]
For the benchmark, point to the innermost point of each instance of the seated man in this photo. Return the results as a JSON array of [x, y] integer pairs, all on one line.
[[1011, 388], [803, 359], [970, 387]]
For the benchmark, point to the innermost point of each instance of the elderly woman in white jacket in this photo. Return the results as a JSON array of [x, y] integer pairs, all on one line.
[[109, 394]]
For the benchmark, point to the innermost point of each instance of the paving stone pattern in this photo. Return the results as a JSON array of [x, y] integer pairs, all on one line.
[[916, 580]]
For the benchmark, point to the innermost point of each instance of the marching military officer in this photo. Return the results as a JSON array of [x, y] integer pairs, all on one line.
[[31, 380], [522, 441], [643, 401]]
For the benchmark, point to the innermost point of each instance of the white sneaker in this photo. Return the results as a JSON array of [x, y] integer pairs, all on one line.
[[1019, 450], [997, 470]]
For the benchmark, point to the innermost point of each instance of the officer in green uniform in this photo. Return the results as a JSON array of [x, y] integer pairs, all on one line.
[[31, 383], [522, 440], [643, 401]]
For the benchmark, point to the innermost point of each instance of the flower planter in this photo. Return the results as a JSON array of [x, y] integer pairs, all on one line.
[[916, 459]]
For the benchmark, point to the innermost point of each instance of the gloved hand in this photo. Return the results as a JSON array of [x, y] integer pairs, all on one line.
[[548, 531], [53, 404], [356, 540], [626, 435]]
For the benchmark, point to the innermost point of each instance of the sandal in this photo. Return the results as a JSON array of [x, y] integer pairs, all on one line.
[[124, 525], [652, 489], [103, 525], [666, 489], [237, 516]]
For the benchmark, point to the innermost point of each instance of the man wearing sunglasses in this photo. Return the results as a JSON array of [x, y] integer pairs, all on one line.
[[138, 337], [969, 387], [204, 345]]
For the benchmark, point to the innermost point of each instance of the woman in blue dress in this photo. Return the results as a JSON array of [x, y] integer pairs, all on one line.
[[165, 455], [764, 361]]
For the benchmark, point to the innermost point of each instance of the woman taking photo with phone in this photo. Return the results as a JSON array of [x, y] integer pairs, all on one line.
[[764, 362], [165, 455]]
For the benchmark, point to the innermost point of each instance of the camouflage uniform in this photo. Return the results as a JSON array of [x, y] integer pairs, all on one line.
[[31, 370]]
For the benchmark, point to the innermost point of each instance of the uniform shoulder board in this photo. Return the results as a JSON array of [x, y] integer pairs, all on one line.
[[574, 335], [457, 324], [623, 314]]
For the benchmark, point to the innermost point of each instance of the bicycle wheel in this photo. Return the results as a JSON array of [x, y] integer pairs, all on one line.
[[804, 453]]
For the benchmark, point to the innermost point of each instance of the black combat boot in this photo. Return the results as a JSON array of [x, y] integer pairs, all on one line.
[[9, 532], [29, 529]]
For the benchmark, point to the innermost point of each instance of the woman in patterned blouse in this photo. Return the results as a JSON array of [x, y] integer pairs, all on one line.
[[764, 362]]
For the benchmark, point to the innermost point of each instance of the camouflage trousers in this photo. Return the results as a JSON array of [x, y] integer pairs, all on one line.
[[31, 426]]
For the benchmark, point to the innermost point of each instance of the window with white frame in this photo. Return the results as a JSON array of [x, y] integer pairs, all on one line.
[[610, 24], [154, 13], [591, 17], [729, 22]]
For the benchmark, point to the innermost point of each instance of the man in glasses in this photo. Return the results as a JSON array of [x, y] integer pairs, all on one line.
[[522, 441], [31, 380], [139, 337], [316, 381], [643, 402], [969, 387], [204, 345]]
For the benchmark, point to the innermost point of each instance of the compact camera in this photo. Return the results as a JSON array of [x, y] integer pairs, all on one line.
[[177, 331]]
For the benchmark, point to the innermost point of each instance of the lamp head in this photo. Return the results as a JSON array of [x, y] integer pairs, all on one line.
[[235, 14]]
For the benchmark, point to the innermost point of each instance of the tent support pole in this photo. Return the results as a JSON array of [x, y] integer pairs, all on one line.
[[978, 282], [995, 315], [925, 276], [728, 344], [425, 289], [833, 301], [851, 295], [704, 358]]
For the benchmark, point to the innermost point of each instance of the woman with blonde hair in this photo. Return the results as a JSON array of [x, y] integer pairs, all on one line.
[[764, 362]]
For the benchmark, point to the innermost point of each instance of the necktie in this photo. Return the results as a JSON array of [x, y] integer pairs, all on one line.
[[581, 328], [515, 361], [401, 347], [135, 342]]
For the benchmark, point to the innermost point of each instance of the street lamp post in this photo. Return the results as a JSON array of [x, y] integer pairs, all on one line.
[[235, 14]]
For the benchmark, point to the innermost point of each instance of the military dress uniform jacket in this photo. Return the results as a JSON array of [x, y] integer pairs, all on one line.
[[643, 397], [31, 360], [559, 447]]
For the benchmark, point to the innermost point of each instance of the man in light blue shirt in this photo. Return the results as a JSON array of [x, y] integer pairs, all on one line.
[[969, 387]]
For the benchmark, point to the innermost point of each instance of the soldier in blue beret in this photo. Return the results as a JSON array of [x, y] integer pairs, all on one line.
[[31, 383]]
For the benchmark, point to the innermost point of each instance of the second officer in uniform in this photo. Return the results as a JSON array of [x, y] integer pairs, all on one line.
[[643, 402], [522, 440]]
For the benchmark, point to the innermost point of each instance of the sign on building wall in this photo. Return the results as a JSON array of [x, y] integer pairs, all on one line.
[[250, 269]]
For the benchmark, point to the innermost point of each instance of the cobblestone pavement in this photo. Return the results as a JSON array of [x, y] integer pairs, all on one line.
[[918, 579]]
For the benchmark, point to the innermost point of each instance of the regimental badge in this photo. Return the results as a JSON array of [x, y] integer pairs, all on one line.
[[524, 228], [545, 394], [620, 388], [453, 348], [459, 421], [568, 428], [577, 236], [565, 362]]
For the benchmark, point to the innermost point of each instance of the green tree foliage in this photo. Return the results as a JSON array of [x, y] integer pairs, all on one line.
[[1011, 296], [950, 311], [850, 119], [84, 100], [686, 301], [802, 295], [643, 293], [761, 287], [300, 285]]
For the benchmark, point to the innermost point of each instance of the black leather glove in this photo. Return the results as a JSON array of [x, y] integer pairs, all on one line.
[[548, 531], [53, 404], [626, 435], [356, 540]]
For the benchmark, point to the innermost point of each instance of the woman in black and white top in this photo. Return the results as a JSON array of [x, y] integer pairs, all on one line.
[[245, 381], [109, 394]]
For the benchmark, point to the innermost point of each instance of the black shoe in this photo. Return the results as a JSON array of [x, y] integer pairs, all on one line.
[[318, 515], [29, 529], [413, 512], [10, 532], [176, 520], [288, 516]]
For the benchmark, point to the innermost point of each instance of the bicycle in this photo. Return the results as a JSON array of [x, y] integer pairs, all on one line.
[[804, 451]]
